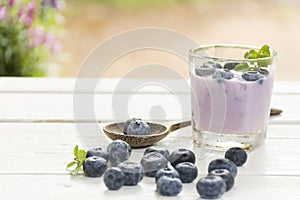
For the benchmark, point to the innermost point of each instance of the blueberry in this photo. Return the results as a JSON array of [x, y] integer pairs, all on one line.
[[263, 71], [125, 126], [252, 75], [169, 172], [223, 74], [226, 175], [165, 152], [114, 178], [94, 166], [168, 186], [211, 187], [181, 155], [237, 155], [230, 65], [260, 81], [152, 162], [222, 163], [207, 68], [134, 172], [97, 152], [187, 172], [118, 151], [136, 127]]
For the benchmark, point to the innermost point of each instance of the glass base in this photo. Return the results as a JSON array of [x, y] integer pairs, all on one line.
[[222, 142]]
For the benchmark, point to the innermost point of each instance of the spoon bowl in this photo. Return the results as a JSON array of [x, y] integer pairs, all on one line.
[[158, 132]]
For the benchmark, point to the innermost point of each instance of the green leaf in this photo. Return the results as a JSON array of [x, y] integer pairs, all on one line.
[[71, 164], [76, 151], [81, 155], [252, 54], [264, 51], [242, 67]]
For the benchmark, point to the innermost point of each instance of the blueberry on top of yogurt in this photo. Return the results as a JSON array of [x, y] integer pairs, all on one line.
[[252, 75], [223, 74], [263, 71], [207, 68]]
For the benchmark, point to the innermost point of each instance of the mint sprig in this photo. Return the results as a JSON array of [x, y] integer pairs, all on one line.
[[263, 52], [242, 67], [79, 159]]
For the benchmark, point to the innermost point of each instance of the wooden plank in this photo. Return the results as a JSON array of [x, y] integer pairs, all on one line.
[[67, 85], [59, 107], [46, 148], [36, 187]]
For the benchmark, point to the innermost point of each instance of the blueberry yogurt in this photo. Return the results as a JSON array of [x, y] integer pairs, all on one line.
[[231, 89]]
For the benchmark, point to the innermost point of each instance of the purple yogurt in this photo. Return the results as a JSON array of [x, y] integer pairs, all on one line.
[[234, 106]]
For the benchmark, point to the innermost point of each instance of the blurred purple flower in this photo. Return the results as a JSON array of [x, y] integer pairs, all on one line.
[[52, 43], [12, 2], [57, 4], [36, 36], [28, 18], [2, 12], [20, 12]]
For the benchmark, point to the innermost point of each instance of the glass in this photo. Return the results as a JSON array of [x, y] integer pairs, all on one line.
[[230, 96]]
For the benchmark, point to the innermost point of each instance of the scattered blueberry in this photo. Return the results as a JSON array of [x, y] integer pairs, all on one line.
[[226, 175], [223, 74], [136, 127], [134, 172], [222, 163], [237, 155], [94, 166], [230, 65], [114, 178], [211, 187], [263, 71], [181, 155], [207, 68], [252, 75], [97, 152], [118, 151], [168, 186], [169, 172], [188, 172], [152, 162], [165, 152]]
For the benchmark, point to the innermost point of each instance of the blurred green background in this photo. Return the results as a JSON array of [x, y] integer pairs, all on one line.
[[254, 22]]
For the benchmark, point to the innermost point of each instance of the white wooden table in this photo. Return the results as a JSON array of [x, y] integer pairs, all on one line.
[[38, 135]]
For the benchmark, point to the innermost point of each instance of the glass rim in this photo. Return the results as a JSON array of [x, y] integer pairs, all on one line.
[[192, 52]]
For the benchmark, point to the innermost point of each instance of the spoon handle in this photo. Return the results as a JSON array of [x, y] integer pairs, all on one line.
[[183, 124], [179, 125], [275, 111]]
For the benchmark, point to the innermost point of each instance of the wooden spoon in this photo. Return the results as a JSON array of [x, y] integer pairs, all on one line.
[[158, 132]]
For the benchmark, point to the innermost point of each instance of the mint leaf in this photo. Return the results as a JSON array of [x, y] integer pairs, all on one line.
[[81, 155], [252, 54], [263, 52], [76, 151], [242, 67], [71, 164], [79, 158]]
